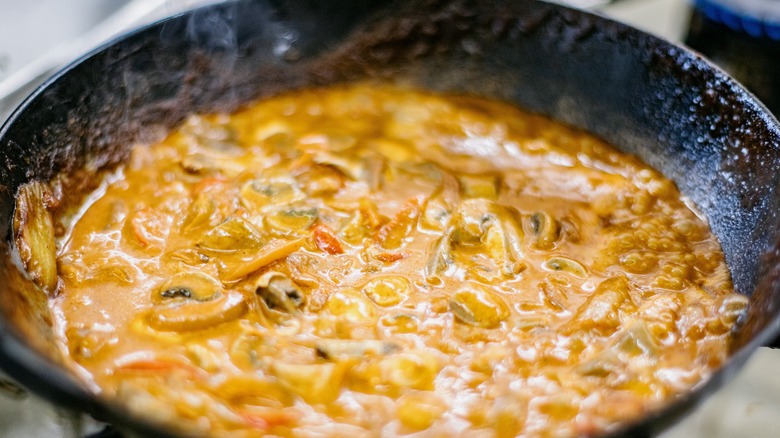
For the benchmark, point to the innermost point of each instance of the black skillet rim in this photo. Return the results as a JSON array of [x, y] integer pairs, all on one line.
[[51, 382]]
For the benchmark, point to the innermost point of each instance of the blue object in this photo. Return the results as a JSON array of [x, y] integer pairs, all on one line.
[[738, 20]]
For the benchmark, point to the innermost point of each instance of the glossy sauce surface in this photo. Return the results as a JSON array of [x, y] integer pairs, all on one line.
[[369, 260]]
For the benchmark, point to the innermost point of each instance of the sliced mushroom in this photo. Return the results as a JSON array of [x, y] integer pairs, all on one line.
[[115, 270], [436, 214], [202, 214], [388, 290], [34, 235], [362, 223], [351, 167], [188, 256], [476, 305], [292, 220], [554, 297], [564, 264], [186, 316], [238, 267], [315, 383], [279, 292], [193, 301], [321, 180], [440, 260], [245, 352], [636, 340], [340, 348], [257, 194], [191, 285], [480, 222], [512, 248], [232, 235], [546, 229], [254, 389], [472, 221], [440, 206]]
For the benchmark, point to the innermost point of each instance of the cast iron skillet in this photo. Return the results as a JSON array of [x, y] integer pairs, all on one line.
[[648, 97]]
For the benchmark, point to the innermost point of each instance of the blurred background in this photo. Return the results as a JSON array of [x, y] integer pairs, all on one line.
[[39, 36]]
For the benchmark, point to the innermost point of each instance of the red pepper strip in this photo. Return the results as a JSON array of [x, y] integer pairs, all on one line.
[[326, 239], [391, 257], [267, 419], [148, 227], [207, 183], [391, 234], [160, 366]]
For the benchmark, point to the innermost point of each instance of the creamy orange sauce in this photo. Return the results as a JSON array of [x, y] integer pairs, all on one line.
[[368, 260]]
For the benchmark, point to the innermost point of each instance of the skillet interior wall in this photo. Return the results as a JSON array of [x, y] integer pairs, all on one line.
[[641, 94]]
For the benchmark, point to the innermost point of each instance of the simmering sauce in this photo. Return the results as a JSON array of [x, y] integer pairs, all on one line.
[[367, 260]]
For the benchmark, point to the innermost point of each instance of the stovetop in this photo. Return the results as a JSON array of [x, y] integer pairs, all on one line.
[[37, 37]]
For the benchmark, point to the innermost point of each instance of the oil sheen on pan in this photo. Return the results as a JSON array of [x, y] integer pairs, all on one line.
[[369, 260]]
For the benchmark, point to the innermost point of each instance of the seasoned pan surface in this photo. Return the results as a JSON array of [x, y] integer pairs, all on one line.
[[656, 100]]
